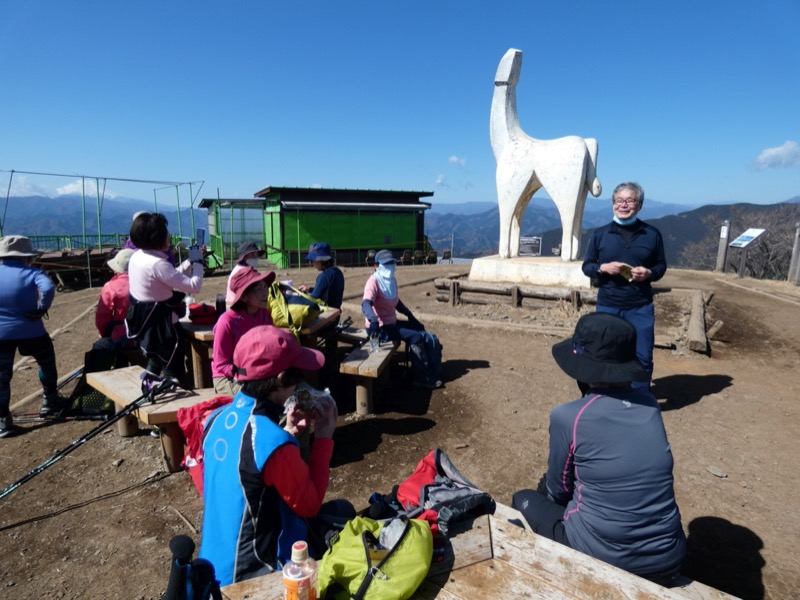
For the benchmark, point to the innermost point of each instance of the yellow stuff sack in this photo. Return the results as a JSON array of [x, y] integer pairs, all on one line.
[[294, 312], [357, 566]]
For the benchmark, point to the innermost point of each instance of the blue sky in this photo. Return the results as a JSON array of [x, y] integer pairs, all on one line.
[[698, 101]]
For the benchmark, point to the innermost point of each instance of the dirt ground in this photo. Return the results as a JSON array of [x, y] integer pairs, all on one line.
[[97, 523]]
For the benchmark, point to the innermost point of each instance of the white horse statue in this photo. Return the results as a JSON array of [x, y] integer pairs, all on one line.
[[566, 167]]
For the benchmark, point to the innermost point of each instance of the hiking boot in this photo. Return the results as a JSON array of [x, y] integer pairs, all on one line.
[[55, 408], [7, 427], [429, 384]]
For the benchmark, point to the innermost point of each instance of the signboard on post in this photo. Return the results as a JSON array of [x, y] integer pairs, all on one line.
[[747, 238], [530, 246]]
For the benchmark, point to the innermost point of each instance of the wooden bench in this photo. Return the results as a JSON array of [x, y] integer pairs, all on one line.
[[491, 557], [123, 386], [367, 366]]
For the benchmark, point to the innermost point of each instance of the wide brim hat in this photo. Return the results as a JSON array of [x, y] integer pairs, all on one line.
[[320, 251], [384, 257], [266, 351], [602, 350], [119, 263], [244, 278], [16, 246], [246, 248]]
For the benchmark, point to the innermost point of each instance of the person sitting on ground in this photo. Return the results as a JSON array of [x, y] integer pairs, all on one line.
[[329, 286], [258, 492], [26, 294], [247, 255], [153, 315], [114, 302], [250, 309], [380, 306], [609, 484]]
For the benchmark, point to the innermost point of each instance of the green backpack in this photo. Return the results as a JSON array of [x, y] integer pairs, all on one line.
[[295, 312], [357, 566]]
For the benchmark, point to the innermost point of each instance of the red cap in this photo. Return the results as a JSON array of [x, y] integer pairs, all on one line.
[[244, 278], [265, 351]]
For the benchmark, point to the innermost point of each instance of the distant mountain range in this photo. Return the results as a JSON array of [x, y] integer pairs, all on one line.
[[475, 232], [39, 215], [473, 227]]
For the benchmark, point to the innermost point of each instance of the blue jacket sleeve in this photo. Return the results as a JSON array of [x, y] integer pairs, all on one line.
[[561, 460], [47, 291], [659, 268], [369, 312]]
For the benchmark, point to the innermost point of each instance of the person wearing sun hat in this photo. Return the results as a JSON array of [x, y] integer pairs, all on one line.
[[329, 286], [609, 485], [114, 302], [258, 491], [249, 309], [26, 294], [247, 255]]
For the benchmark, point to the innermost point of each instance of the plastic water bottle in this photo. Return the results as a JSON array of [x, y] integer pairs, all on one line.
[[374, 342], [300, 575]]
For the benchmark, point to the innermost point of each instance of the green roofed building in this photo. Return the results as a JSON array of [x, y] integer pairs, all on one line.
[[287, 220]]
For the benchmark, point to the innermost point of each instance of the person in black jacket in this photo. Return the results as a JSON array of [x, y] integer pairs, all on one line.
[[625, 257]]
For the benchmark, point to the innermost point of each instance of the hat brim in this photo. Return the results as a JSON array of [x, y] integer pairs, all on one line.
[[313, 257], [268, 277], [18, 254], [241, 255], [587, 370], [309, 360]]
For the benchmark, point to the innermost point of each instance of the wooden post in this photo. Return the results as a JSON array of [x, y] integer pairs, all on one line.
[[515, 296], [742, 262], [454, 292], [575, 298], [722, 252], [794, 265], [127, 426], [364, 396]]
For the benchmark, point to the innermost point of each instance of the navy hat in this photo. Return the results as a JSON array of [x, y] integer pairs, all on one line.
[[246, 248], [602, 350], [320, 251], [385, 256]]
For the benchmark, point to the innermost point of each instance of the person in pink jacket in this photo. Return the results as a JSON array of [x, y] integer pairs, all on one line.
[[112, 308], [249, 309]]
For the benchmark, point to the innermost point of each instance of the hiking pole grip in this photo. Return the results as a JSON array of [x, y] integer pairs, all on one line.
[[182, 548]]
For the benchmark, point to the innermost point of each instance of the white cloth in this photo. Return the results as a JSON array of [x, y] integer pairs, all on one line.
[[386, 280]]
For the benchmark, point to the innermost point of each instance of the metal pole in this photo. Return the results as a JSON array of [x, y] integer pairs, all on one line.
[[722, 252], [155, 202], [794, 265], [178, 198], [191, 212]]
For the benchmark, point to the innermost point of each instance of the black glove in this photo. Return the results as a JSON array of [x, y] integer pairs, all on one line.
[[373, 328], [35, 315]]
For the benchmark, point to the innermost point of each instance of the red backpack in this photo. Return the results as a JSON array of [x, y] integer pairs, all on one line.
[[440, 494]]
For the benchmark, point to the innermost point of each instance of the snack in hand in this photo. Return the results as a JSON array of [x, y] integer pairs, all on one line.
[[625, 271]]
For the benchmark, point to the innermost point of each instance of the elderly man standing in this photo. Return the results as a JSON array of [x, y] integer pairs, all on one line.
[[625, 257], [26, 294]]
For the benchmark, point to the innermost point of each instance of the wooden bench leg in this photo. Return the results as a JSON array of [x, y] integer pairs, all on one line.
[[172, 442], [127, 426], [364, 395]]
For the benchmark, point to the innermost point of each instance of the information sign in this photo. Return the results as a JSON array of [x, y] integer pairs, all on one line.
[[747, 238]]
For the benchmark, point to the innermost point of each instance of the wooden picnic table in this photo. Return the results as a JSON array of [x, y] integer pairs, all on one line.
[[200, 338], [491, 557], [123, 386]]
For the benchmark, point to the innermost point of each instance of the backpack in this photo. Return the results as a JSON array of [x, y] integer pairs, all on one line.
[[294, 312], [439, 493], [426, 358], [358, 566]]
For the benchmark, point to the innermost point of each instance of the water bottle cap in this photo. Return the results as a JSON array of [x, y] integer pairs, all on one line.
[[299, 551]]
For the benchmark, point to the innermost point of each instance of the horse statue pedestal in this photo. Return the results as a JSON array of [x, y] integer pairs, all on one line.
[[549, 271]]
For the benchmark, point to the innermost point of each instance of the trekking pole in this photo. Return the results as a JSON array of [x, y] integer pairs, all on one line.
[[162, 386]]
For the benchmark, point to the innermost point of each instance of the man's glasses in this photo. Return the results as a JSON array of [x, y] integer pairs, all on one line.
[[625, 203]]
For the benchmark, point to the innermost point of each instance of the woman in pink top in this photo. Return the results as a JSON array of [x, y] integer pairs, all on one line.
[[249, 309], [112, 308], [152, 318]]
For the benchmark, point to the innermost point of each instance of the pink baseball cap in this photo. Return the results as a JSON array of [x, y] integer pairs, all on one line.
[[266, 350]]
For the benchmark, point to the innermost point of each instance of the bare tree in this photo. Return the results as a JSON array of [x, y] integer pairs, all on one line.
[[767, 258]]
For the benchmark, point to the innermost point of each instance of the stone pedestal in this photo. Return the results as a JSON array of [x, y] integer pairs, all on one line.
[[544, 271]]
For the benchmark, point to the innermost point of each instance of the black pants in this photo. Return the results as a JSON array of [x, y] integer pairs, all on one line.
[[543, 515], [41, 349]]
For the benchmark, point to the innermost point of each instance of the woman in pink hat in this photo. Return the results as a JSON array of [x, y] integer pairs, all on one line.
[[249, 308]]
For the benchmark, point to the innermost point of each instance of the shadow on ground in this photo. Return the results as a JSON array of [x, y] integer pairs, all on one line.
[[725, 556], [682, 390], [357, 439]]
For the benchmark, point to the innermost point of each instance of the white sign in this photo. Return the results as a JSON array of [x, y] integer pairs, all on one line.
[[748, 237]]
